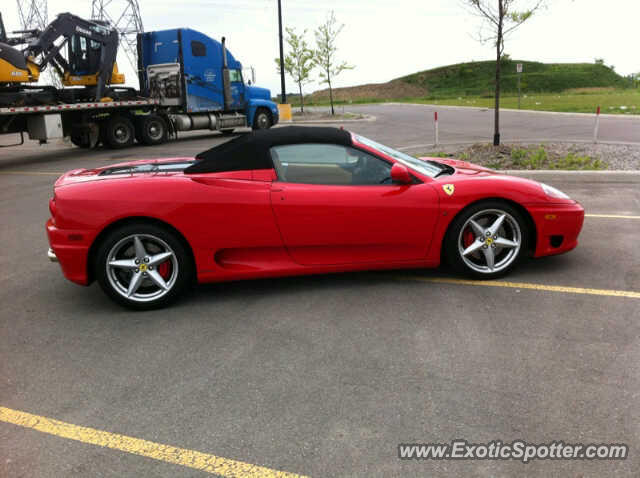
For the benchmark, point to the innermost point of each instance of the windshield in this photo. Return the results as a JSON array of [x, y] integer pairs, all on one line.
[[423, 167]]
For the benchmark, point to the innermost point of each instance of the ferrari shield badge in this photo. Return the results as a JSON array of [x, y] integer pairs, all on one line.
[[448, 188]]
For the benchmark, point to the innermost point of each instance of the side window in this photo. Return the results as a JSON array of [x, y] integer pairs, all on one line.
[[329, 164], [198, 48], [235, 75]]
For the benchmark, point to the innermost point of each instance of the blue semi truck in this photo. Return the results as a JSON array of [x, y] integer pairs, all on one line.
[[188, 81], [200, 82]]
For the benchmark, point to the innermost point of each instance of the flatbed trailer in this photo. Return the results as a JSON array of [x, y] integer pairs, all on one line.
[[116, 123], [188, 81]]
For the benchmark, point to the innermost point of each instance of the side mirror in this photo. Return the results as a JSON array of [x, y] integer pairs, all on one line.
[[400, 174]]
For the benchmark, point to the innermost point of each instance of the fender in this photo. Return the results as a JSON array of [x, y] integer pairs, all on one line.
[[254, 103]]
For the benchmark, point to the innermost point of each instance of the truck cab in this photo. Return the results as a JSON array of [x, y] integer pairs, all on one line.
[[201, 81]]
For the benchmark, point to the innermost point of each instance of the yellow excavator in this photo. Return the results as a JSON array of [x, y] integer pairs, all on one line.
[[90, 60]]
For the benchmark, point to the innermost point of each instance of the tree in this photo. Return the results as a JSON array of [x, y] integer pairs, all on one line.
[[325, 54], [298, 63], [500, 18]]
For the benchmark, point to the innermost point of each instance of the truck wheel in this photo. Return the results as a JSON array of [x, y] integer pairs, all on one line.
[[151, 130], [262, 119], [79, 140], [85, 136], [118, 132]]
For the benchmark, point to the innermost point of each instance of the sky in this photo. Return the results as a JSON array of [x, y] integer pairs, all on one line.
[[386, 39]]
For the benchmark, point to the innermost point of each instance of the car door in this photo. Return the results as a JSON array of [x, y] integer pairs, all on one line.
[[336, 205]]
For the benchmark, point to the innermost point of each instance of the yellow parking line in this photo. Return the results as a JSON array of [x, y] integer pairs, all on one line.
[[526, 285], [170, 454], [35, 173], [612, 216]]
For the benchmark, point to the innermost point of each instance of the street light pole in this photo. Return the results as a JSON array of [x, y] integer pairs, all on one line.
[[283, 96]]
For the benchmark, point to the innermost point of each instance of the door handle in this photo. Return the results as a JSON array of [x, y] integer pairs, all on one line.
[[277, 190]]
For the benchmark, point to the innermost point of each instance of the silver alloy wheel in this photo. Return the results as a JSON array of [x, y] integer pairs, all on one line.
[[496, 241], [132, 267]]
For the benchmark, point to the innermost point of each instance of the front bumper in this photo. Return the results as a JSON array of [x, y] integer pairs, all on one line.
[[558, 227], [70, 249]]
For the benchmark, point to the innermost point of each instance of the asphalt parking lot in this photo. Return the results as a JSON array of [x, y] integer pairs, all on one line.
[[318, 376]]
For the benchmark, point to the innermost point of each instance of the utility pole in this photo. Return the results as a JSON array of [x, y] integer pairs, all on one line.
[[283, 96]]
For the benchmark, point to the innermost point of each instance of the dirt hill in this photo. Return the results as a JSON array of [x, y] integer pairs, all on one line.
[[376, 91], [477, 79]]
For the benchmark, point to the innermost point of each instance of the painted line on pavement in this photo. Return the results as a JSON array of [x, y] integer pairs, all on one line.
[[224, 467], [34, 173], [526, 285], [612, 216]]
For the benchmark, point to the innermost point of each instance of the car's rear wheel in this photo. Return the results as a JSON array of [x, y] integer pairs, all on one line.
[[487, 240], [143, 266]]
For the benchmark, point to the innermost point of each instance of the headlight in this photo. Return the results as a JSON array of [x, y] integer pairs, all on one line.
[[553, 192]]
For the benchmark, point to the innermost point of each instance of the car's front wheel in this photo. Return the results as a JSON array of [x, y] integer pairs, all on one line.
[[143, 266], [487, 240]]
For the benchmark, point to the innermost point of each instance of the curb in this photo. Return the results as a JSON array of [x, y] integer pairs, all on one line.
[[565, 171], [367, 118], [534, 140]]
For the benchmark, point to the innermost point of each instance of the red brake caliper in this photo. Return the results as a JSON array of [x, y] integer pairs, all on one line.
[[467, 238], [164, 269]]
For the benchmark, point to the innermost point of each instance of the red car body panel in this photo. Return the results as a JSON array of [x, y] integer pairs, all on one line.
[[247, 224]]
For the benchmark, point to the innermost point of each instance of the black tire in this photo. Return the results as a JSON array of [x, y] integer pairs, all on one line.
[[151, 130], [119, 244], [118, 132], [462, 236], [79, 140], [85, 136], [262, 119]]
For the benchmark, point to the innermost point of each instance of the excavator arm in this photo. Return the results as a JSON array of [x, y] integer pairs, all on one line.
[[91, 49], [81, 37]]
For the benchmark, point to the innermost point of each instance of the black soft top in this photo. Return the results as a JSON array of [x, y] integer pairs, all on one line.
[[251, 151]]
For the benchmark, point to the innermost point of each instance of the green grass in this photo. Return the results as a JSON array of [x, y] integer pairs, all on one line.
[[539, 159], [564, 87], [610, 102], [478, 78]]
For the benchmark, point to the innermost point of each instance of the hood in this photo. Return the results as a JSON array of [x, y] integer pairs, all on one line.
[[258, 93], [462, 167], [471, 179], [164, 167]]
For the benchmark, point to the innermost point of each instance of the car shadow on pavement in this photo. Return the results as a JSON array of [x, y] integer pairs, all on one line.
[[250, 291]]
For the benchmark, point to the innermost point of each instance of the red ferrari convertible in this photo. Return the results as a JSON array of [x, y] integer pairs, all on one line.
[[295, 200]]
